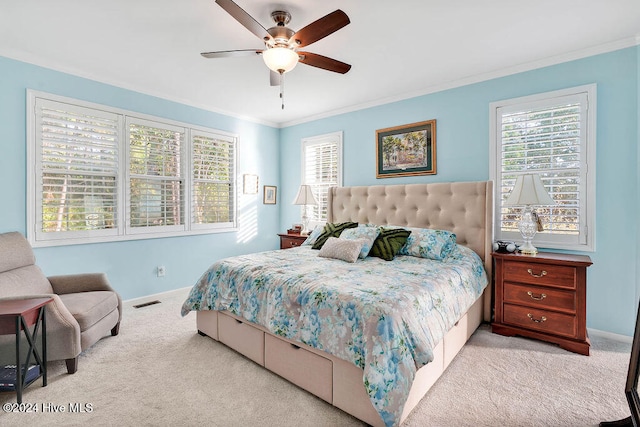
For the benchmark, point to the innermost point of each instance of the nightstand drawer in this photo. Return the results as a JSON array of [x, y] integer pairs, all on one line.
[[541, 320], [558, 276], [538, 297], [290, 242]]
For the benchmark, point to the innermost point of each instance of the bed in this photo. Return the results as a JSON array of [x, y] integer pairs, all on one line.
[[333, 349]]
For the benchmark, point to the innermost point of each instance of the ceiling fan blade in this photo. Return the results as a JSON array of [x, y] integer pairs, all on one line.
[[232, 53], [274, 78], [323, 62], [321, 28], [244, 18]]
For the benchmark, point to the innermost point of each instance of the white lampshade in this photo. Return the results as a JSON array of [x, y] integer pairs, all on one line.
[[280, 59], [529, 191], [305, 196]]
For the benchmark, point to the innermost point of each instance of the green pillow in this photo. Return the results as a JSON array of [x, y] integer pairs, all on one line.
[[389, 242], [332, 230]]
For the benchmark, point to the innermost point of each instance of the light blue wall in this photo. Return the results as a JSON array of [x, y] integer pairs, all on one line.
[[462, 154], [131, 265], [462, 116]]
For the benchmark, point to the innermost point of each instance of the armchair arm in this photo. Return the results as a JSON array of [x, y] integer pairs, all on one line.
[[85, 282], [73, 283]]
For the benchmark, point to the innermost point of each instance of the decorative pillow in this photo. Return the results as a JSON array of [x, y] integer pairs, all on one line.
[[389, 242], [332, 230], [345, 250], [366, 233], [313, 236], [428, 243]]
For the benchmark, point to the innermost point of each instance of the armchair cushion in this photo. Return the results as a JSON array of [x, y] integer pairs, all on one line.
[[15, 251], [88, 308], [24, 281]]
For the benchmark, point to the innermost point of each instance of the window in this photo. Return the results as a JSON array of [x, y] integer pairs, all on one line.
[[156, 182], [553, 135], [321, 169], [102, 174], [213, 194]]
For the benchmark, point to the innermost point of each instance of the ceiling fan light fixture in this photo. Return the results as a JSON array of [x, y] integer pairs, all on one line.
[[280, 59]]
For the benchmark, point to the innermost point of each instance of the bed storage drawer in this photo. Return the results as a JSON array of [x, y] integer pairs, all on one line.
[[458, 336], [308, 370], [207, 323], [242, 337]]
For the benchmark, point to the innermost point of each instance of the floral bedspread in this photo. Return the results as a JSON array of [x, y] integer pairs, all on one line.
[[384, 316]]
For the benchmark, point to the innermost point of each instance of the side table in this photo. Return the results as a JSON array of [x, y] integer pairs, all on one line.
[[21, 314], [542, 296]]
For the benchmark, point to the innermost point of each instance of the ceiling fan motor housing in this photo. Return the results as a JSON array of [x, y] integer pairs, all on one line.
[[280, 33]]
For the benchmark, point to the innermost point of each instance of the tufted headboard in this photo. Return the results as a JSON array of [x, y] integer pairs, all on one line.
[[465, 208]]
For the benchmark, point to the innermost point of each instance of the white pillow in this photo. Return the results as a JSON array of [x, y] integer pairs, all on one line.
[[342, 249]]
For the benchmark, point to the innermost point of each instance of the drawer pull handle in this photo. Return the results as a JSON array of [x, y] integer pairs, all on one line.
[[542, 319], [543, 273], [297, 347], [540, 298], [238, 321]]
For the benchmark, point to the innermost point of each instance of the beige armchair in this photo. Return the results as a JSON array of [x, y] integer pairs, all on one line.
[[84, 309]]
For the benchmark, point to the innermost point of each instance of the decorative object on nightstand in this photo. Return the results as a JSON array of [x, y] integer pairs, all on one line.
[[543, 297], [291, 240], [528, 191], [305, 198]]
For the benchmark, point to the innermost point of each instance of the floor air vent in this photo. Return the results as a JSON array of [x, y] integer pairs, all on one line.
[[146, 304]]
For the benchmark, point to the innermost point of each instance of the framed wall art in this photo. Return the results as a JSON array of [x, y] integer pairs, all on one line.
[[269, 196], [250, 184], [406, 150]]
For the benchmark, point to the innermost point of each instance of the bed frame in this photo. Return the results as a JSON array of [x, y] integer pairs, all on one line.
[[466, 208]]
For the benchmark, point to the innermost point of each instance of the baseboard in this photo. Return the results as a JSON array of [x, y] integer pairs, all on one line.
[[610, 335], [153, 296]]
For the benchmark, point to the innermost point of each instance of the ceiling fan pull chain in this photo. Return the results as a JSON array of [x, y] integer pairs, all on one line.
[[282, 89]]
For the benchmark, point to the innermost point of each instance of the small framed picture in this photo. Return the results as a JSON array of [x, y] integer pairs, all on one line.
[[269, 196], [250, 184]]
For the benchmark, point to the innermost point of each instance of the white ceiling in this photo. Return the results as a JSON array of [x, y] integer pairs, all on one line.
[[398, 49]]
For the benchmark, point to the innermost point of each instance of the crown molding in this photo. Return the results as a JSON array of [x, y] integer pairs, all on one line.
[[528, 66]]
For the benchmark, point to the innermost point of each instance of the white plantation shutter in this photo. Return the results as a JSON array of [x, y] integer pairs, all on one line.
[[97, 174], [156, 182], [213, 185], [76, 153], [322, 169], [550, 137]]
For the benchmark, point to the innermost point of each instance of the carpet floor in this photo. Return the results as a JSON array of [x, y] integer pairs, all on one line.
[[159, 372]]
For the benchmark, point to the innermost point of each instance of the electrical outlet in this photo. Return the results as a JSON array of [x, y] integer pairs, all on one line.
[[161, 271]]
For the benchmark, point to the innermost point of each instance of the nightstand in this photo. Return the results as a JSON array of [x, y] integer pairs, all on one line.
[[291, 240], [542, 296]]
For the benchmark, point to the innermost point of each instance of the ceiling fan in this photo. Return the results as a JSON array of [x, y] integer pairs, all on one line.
[[281, 52]]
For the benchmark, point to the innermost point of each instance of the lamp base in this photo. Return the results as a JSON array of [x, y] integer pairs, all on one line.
[[528, 249], [528, 228]]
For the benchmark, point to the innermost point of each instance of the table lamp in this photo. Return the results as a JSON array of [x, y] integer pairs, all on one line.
[[528, 191], [305, 197]]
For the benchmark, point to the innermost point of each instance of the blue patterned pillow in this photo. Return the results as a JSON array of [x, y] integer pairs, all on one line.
[[428, 243], [313, 236], [362, 232]]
